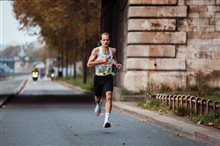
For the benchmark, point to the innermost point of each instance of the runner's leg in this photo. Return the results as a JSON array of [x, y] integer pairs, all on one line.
[[98, 92], [108, 104]]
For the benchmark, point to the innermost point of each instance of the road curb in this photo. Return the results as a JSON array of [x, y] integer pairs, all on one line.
[[200, 134], [20, 87], [15, 92]]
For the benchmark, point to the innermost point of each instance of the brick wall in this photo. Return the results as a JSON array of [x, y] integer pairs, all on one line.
[[170, 41]]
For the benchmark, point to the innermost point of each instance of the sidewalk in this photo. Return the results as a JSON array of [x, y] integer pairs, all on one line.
[[177, 125]]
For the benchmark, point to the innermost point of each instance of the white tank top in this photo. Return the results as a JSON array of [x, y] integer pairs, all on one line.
[[104, 69]]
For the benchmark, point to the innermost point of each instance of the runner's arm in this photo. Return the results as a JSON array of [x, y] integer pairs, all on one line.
[[118, 65], [92, 62]]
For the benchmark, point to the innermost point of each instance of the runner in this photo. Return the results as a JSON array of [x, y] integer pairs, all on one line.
[[102, 58]]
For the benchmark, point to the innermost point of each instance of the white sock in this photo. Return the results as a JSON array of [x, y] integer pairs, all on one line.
[[99, 104], [107, 117]]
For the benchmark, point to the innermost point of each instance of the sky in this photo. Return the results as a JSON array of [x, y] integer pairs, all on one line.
[[9, 27]]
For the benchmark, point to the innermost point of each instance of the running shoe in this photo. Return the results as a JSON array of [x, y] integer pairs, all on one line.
[[106, 125], [98, 109]]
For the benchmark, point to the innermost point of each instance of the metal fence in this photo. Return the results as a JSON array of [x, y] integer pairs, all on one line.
[[195, 105]]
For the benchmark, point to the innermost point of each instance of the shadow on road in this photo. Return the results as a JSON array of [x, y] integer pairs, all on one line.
[[50, 99]]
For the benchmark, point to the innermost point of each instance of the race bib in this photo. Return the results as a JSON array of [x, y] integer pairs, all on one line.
[[105, 69]]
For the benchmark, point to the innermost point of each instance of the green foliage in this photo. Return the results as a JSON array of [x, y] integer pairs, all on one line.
[[79, 82], [209, 120], [200, 89], [150, 90], [182, 112], [212, 97], [153, 104]]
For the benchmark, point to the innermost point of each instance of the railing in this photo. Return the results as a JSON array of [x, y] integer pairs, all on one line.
[[195, 105]]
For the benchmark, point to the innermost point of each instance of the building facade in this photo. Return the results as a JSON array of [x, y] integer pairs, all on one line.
[[173, 43]]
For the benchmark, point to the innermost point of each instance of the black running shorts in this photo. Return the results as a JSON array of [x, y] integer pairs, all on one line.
[[102, 83]]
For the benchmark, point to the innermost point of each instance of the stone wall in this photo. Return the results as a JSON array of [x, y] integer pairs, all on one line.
[[171, 43]]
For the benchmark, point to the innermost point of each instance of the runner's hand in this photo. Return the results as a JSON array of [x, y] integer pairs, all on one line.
[[105, 59], [118, 66]]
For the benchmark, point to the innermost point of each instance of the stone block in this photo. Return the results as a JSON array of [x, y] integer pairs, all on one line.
[[156, 64], [194, 15], [206, 52], [217, 55], [196, 65], [200, 51], [200, 2], [181, 52], [204, 15], [196, 8], [171, 64], [181, 2], [205, 28], [194, 22], [217, 68], [135, 80], [197, 22], [203, 35], [140, 64], [213, 8], [183, 25], [217, 15], [217, 2], [168, 79], [196, 28], [158, 12], [139, 80], [212, 20], [216, 41], [152, 2], [151, 51], [198, 42], [152, 24], [210, 35], [217, 27], [156, 38]]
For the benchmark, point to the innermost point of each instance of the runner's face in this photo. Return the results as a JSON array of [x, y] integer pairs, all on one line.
[[105, 41]]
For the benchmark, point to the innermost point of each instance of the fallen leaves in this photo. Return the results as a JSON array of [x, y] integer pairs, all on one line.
[[210, 124]]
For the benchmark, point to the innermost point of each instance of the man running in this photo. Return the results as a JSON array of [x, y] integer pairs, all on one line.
[[102, 58]]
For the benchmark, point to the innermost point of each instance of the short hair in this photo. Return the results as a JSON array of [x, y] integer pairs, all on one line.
[[104, 33]]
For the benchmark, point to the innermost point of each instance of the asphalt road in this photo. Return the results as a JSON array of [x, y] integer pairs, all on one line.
[[47, 113]]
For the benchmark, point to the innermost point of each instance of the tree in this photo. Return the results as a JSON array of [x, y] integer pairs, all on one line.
[[61, 23]]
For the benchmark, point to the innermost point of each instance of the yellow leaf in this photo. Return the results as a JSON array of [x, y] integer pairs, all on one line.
[[210, 123]]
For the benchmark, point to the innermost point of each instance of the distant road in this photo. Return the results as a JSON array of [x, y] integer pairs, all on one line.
[[7, 76], [10, 85], [3, 76]]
